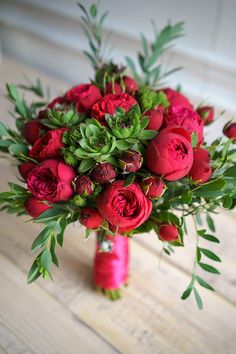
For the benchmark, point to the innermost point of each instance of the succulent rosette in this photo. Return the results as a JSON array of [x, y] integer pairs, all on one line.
[[121, 156]]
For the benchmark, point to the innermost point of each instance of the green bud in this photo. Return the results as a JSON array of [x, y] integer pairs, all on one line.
[[69, 157], [79, 201]]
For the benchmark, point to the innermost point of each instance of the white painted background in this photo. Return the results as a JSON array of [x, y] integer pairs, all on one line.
[[45, 34]]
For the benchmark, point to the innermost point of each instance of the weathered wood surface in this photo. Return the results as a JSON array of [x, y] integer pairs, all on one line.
[[68, 316]]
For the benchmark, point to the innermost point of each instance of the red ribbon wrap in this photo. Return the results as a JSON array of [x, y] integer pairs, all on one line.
[[111, 268]]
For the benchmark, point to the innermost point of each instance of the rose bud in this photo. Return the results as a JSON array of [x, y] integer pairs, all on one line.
[[230, 131], [84, 96], [124, 207], [91, 218], [168, 233], [153, 187], [186, 118], [84, 186], [109, 104], [113, 87], [48, 146], [155, 116], [206, 113], [25, 168], [170, 153], [32, 130], [201, 154], [103, 173], [201, 171], [51, 180], [130, 161], [130, 84], [35, 207], [176, 98]]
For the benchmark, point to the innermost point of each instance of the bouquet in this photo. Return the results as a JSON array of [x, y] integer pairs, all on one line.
[[121, 155]]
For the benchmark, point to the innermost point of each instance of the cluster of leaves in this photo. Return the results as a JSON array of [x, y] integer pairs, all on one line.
[[152, 71], [65, 117], [13, 200]]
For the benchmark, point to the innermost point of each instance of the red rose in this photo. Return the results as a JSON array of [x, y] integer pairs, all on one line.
[[32, 130], [103, 173], [113, 88], [155, 116], [35, 207], [124, 207], [206, 113], [130, 161], [176, 98], [48, 146], [109, 103], [185, 118], [130, 84], [153, 187], [25, 168], [170, 154], [201, 154], [58, 101], [201, 171], [84, 96], [91, 218], [230, 131], [84, 185], [168, 233], [51, 181]]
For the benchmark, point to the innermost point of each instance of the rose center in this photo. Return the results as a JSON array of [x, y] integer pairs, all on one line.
[[177, 149]]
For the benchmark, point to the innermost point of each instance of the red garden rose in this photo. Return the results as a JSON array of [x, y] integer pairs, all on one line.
[[25, 168], [84, 96], [155, 116], [206, 113], [131, 160], [109, 103], [201, 171], [153, 187], [51, 180], [230, 131], [186, 118], [201, 154], [168, 233], [176, 98], [91, 218], [54, 104], [48, 146], [124, 207], [103, 173], [84, 185], [35, 207], [32, 130], [170, 154], [130, 84]]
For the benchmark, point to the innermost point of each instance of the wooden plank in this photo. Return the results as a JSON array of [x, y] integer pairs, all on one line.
[[32, 321]]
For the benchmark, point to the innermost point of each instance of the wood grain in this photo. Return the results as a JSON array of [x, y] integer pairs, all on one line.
[[68, 316]]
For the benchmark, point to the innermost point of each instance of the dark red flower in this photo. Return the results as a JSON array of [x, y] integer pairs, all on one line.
[[114, 88], [230, 131], [176, 98], [153, 187], [35, 207], [25, 168], [206, 113], [155, 116], [32, 130], [130, 84], [168, 233], [103, 173], [84, 185], [201, 171], [201, 154], [130, 161], [84, 96]]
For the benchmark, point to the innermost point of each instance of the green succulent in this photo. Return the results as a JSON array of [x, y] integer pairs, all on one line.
[[129, 127], [96, 142], [149, 98], [62, 118], [72, 136], [69, 157]]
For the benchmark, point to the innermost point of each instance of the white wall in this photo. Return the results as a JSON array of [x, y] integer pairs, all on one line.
[[45, 33]]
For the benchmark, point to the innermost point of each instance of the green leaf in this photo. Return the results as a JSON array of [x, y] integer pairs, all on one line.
[[60, 237], [41, 239], [186, 293], [210, 254], [204, 284], [208, 268], [198, 254], [187, 197], [3, 130], [87, 233], [46, 260], [33, 272], [129, 179], [18, 149], [198, 299], [209, 238], [227, 202], [86, 165], [194, 139], [93, 10], [210, 223], [230, 172], [122, 145], [147, 134], [49, 215], [52, 251]]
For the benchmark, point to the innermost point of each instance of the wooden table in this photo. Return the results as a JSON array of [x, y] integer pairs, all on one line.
[[68, 316]]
